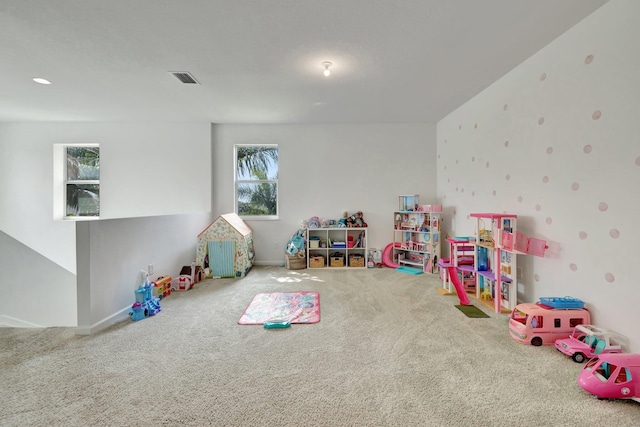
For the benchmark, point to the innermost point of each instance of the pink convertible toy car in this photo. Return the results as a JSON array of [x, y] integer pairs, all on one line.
[[612, 376], [586, 341]]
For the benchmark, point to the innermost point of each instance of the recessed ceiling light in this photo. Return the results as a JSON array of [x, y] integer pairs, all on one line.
[[41, 81]]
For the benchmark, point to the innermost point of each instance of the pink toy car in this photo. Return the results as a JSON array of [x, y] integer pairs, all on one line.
[[612, 376], [586, 341]]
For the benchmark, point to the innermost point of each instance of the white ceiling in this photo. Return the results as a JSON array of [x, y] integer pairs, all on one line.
[[258, 61]]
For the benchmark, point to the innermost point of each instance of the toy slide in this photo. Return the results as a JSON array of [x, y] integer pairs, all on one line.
[[386, 256], [453, 277]]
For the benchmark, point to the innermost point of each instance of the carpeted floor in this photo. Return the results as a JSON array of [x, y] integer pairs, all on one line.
[[389, 351]]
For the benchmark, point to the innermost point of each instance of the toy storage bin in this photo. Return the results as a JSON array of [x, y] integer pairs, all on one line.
[[316, 261], [295, 262], [314, 242], [336, 260], [356, 260]]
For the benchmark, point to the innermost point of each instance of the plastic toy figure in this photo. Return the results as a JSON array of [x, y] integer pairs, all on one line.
[[146, 304]]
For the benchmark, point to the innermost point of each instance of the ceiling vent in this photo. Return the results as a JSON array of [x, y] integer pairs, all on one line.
[[185, 77]]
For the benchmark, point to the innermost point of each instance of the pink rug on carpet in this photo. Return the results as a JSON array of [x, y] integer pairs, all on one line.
[[296, 307]]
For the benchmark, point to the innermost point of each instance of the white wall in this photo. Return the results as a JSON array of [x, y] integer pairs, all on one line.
[[148, 169], [117, 250], [555, 141], [325, 170]]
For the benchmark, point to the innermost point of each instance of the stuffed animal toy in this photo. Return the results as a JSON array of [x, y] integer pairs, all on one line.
[[355, 220]]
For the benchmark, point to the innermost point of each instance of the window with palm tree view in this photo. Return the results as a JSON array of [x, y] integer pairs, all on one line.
[[82, 181], [256, 180]]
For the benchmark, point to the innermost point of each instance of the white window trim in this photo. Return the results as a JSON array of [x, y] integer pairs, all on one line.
[[60, 183]]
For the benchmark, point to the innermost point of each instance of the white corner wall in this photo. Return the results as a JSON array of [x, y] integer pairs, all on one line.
[[148, 169], [325, 170], [555, 141]]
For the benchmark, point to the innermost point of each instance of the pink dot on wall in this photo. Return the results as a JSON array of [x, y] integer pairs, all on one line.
[[609, 277], [587, 149], [545, 179], [596, 115], [456, 161], [506, 144], [462, 190], [494, 192], [473, 193], [575, 186], [638, 161], [473, 159], [614, 233], [538, 207], [588, 59], [459, 126], [475, 126], [487, 164], [508, 177], [541, 120], [549, 150], [582, 235], [603, 206], [543, 76], [448, 179], [573, 267], [520, 199], [504, 107], [548, 220]]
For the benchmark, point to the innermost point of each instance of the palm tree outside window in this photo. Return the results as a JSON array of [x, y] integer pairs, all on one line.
[[256, 181]]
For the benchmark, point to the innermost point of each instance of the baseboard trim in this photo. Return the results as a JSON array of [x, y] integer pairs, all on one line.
[[12, 322], [104, 323]]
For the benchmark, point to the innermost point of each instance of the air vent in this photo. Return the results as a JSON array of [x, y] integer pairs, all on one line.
[[185, 77]]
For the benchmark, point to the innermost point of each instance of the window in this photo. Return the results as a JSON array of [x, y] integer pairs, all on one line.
[[256, 181], [82, 181]]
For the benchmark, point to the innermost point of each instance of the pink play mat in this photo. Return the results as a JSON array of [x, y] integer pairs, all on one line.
[[296, 307]]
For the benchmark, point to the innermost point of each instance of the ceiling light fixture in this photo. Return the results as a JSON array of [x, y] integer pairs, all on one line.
[[327, 71], [41, 81]]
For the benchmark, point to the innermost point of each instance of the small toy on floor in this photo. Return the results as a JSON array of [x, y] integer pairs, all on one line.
[[276, 324], [146, 304]]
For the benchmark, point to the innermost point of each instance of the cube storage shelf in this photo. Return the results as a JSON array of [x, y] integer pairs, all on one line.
[[337, 247]]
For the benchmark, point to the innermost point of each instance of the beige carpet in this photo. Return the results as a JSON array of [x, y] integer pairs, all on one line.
[[389, 351]]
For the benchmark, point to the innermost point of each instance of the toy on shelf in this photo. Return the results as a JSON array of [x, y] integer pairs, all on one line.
[[355, 220], [540, 324], [146, 304], [612, 376], [587, 341]]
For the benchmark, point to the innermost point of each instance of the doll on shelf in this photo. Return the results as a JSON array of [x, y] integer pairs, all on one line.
[[424, 226]]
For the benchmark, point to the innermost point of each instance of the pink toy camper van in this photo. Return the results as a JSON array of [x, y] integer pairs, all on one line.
[[542, 324], [612, 376]]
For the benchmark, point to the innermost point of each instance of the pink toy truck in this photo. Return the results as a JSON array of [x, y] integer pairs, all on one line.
[[540, 324], [586, 341], [612, 376]]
